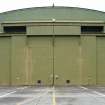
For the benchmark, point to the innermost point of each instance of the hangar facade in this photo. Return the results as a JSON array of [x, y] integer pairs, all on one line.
[[52, 46]]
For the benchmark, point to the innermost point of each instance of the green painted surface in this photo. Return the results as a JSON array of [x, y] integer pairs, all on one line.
[[18, 65], [47, 13], [25, 60], [39, 30], [66, 30], [41, 60], [66, 60], [101, 60], [5, 60], [48, 30], [88, 58], [66, 53]]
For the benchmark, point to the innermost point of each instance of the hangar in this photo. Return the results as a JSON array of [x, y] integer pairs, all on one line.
[[52, 46]]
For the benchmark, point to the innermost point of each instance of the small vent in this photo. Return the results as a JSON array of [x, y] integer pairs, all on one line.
[[39, 81], [92, 29], [67, 81], [15, 29]]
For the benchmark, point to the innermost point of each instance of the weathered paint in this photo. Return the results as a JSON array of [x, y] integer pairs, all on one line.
[[88, 47], [66, 60], [24, 60], [41, 60], [5, 60], [18, 73], [101, 60], [54, 50]]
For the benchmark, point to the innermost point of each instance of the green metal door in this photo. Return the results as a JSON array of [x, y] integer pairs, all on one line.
[[54, 61], [100, 60], [40, 60], [66, 60], [18, 60], [4, 60]]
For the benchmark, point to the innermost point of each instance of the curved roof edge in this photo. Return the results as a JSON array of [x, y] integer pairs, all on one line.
[[49, 12], [22, 9]]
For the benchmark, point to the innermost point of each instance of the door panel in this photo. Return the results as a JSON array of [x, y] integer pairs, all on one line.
[[41, 64], [4, 61], [66, 60], [60, 61], [88, 58], [101, 60], [18, 60]]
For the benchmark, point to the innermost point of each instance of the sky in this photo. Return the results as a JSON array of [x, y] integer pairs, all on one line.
[[7, 5]]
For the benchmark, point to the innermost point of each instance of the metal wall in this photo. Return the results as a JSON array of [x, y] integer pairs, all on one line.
[[66, 60], [5, 60], [52, 51], [18, 60], [100, 60], [40, 60], [52, 59]]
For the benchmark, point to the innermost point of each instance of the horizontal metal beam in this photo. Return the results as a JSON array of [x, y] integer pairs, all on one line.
[[51, 21]]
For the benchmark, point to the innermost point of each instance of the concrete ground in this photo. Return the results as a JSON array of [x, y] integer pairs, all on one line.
[[52, 95]]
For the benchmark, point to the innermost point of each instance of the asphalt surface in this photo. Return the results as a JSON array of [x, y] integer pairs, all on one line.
[[73, 95]]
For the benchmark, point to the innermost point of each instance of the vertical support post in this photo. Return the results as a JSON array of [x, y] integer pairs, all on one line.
[[53, 55]]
